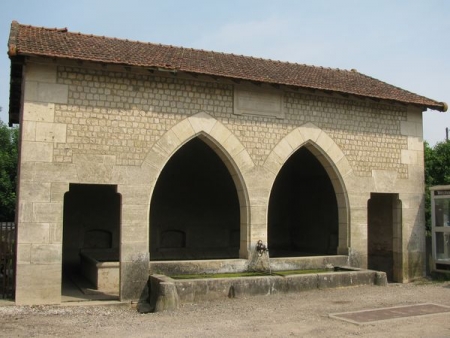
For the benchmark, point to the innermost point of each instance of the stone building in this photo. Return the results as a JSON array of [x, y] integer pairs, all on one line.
[[147, 154]]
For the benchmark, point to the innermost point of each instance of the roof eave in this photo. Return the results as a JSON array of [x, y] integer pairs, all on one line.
[[14, 53]]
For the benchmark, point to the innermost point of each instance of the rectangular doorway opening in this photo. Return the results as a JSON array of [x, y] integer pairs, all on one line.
[[384, 235], [91, 242]]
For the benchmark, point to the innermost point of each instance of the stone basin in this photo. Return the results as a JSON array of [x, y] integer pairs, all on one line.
[[167, 293], [101, 268]]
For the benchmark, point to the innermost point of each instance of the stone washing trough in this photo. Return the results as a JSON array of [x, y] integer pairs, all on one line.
[[167, 293], [101, 268]]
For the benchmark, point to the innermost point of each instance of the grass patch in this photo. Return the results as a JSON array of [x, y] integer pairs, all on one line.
[[247, 274]]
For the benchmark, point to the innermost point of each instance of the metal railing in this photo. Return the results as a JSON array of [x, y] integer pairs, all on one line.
[[7, 259]]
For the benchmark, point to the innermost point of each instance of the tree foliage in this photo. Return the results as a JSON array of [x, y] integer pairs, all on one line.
[[8, 171], [437, 171]]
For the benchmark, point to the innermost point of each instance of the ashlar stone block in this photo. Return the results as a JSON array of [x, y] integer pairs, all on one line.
[[273, 163], [243, 161], [136, 250], [56, 232], [23, 253], [57, 191], [135, 214], [55, 93], [283, 150], [259, 185], [202, 122], [138, 194], [33, 111], [384, 180], [46, 92], [91, 168], [325, 142], [220, 133], [54, 172], [258, 214], [344, 168], [169, 143], [48, 212], [183, 130], [295, 139], [28, 131], [412, 201], [233, 146], [415, 143], [131, 233], [37, 151], [33, 290], [409, 156], [25, 211], [409, 128], [50, 132], [41, 73], [46, 253], [134, 175], [35, 191], [310, 131]]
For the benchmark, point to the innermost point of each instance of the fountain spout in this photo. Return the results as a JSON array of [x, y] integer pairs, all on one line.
[[260, 260], [261, 248]]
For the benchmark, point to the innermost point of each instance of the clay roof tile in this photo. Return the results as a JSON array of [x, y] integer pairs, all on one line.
[[60, 43]]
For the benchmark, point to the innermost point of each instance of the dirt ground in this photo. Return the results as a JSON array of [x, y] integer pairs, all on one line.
[[304, 314]]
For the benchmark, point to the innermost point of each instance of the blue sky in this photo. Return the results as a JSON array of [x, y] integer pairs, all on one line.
[[403, 42]]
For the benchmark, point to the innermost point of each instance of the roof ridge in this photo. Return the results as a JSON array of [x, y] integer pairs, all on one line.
[[64, 29]]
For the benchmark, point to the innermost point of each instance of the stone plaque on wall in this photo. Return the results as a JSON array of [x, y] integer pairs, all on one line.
[[264, 102]]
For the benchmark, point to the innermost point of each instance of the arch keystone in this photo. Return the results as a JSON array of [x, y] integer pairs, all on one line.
[[202, 122], [310, 131]]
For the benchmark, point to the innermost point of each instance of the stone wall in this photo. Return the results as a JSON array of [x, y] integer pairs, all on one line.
[[107, 125], [124, 113]]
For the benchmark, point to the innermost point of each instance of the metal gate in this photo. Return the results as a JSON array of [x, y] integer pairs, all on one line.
[[7, 259]]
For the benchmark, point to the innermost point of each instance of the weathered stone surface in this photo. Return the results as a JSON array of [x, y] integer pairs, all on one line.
[[37, 151], [50, 132], [35, 191], [39, 112], [92, 125], [34, 287], [167, 293], [37, 233], [133, 278], [41, 73]]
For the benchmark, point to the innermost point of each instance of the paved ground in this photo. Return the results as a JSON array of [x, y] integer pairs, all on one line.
[[304, 314]]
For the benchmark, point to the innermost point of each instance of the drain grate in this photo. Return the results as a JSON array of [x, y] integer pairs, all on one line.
[[369, 316]]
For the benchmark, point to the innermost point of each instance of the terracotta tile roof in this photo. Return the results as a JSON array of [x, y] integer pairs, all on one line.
[[59, 43]]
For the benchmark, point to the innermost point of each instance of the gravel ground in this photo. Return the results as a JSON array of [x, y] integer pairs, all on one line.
[[304, 314]]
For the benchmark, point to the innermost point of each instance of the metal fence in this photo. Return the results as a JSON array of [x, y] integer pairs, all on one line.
[[7, 259]]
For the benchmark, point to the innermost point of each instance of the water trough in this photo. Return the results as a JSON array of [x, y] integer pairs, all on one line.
[[167, 293]]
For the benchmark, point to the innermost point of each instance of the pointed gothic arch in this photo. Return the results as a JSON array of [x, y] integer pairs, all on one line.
[[223, 143], [331, 159]]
